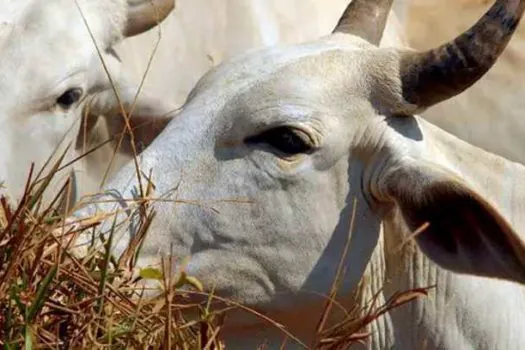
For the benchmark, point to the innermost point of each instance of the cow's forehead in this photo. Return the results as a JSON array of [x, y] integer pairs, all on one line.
[[283, 67], [311, 85], [54, 19]]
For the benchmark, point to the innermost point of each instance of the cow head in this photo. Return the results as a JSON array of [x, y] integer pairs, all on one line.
[[50, 65], [258, 174]]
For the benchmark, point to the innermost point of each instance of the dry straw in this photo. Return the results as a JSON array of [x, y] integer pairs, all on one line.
[[52, 298]]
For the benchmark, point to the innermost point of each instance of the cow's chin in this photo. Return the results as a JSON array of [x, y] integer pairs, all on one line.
[[240, 279]]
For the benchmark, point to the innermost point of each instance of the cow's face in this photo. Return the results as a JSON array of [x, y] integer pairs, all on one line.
[[258, 174], [270, 146], [270, 151], [50, 64]]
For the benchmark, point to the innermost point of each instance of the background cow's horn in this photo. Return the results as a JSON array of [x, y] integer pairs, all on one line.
[[146, 14], [366, 19], [441, 73]]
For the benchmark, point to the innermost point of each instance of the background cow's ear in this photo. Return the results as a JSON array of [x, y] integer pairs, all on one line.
[[465, 233], [103, 118]]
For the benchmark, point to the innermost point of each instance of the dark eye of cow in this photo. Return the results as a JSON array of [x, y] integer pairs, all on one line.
[[69, 98], [289, 141]]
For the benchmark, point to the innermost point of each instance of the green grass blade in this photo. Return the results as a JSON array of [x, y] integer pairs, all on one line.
[[105, 267], [41, 294], [28, 338], [46, 181]]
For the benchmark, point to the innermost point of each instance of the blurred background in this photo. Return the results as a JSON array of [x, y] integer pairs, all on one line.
[[202, 33]]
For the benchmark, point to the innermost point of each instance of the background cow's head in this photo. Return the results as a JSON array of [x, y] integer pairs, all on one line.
[[50, 65]]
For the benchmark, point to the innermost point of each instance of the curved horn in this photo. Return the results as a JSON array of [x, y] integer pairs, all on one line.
[[366, 19], [439, 74], [146, 14]]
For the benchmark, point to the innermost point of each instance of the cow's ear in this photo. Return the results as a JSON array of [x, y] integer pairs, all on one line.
[[103, 114], [465, 234]]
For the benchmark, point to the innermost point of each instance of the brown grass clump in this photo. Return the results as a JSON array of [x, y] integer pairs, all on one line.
[[51, 298]]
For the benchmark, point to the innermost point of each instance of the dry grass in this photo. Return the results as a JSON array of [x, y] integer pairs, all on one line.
[[52, 298]]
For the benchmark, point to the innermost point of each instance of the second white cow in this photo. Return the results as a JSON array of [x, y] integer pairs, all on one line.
[[50, 65]]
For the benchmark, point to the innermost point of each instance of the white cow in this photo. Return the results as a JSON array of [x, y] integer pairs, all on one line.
[[259, 172], [50, 65]]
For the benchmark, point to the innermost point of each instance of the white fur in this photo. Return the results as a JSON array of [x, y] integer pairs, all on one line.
[[278, 251]]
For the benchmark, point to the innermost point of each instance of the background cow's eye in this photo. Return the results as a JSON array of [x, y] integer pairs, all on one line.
[[284, 139], [69, 98]]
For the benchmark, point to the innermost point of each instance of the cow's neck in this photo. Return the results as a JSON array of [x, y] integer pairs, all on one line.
[[462, 311]]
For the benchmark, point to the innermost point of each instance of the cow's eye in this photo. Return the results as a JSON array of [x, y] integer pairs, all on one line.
[[69, 98], [286, 140]]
